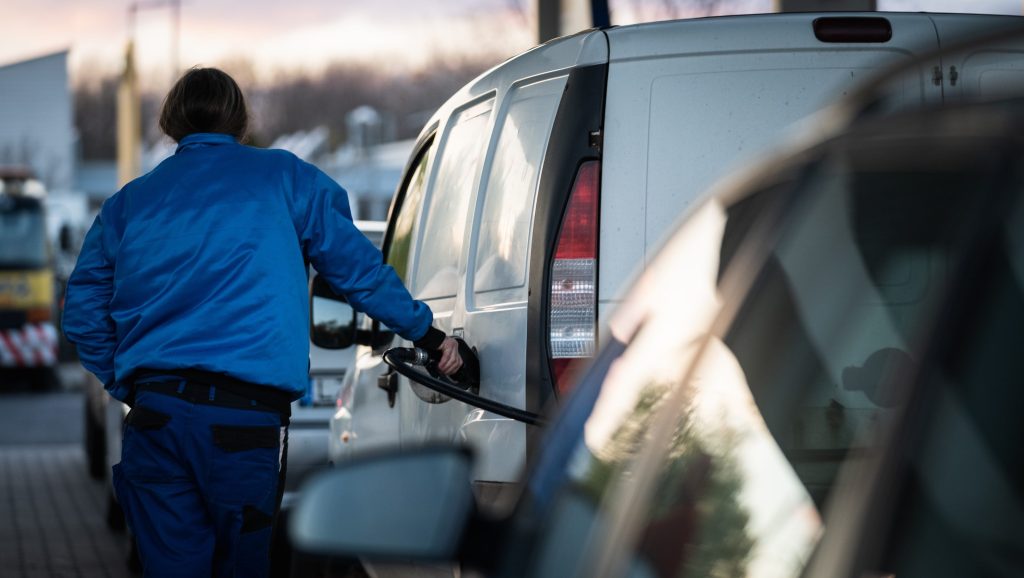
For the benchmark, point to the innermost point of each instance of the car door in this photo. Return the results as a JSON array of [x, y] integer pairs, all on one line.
[[716, 94], [497, 272]]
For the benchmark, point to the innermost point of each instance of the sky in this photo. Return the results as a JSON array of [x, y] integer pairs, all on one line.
[[273, 35], [305, 35]]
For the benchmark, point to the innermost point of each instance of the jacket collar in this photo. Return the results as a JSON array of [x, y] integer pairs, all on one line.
[[200, 139]]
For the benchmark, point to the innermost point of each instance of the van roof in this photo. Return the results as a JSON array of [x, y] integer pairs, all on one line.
[[581, 49], [769, 32], [787, 31]]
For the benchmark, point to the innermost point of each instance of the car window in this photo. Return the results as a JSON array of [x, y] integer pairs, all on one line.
[[437, 269], [504, 230], [411, 199], [22, 233], [964, 481], [719, 433]]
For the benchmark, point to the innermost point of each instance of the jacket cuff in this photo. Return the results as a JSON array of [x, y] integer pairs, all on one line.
[[431, 340]]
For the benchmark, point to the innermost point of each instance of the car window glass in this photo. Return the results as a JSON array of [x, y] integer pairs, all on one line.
[[503, 234], [964, 504], [408, 214], [22, 233], [437, 269]]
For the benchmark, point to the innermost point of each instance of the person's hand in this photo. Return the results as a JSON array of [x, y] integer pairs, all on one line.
[[450, 359]]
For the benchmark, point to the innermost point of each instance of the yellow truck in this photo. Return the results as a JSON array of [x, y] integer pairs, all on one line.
[[28, 334]]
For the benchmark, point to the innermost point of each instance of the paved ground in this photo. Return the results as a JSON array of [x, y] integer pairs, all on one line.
[[52, 515]]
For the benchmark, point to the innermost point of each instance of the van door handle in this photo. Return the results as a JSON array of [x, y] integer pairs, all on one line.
[[389, 383]]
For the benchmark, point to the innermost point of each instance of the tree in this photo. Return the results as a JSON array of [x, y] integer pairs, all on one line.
[[96, 117]]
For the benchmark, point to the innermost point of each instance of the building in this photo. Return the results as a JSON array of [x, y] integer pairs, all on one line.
[[36, 124]]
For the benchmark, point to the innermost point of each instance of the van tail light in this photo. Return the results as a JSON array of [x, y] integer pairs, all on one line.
[[573, 322], [856, 29]]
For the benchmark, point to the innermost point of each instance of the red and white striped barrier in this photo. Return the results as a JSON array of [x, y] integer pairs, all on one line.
[[34, 345]]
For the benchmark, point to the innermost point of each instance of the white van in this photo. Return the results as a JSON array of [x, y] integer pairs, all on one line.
[[542, 187]]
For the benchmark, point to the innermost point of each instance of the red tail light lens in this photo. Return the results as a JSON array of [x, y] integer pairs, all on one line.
[[573, 321]]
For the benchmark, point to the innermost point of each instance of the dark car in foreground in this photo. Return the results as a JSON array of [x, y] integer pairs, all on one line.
[[819, 375]]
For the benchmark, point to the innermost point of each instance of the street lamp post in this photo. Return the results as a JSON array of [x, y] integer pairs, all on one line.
[[175, 6], [129, 105]]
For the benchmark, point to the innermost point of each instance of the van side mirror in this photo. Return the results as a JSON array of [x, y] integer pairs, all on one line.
[[66, 239], [332, 319], [396, 506]]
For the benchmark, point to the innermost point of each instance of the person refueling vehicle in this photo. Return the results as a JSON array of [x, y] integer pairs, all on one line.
[[189, 302]]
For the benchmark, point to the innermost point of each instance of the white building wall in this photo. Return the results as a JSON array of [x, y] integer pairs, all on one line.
[[36, 125]]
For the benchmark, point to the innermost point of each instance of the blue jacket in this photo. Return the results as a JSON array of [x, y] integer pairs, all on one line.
[[200, 264]]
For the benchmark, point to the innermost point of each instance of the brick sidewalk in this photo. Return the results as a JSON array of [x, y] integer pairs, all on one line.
[[52, 516]]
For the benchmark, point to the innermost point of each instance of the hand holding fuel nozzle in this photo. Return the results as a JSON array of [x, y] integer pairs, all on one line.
[[450, 361], [463, 384], [454, 358]]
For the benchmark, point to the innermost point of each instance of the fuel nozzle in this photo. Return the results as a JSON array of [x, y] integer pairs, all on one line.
[[467, 377]]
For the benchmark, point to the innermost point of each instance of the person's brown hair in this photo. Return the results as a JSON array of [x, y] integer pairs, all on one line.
[[204, 100]]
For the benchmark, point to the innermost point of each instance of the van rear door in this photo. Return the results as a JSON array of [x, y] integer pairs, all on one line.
[[689, 99], [984, 72], [491, 189]]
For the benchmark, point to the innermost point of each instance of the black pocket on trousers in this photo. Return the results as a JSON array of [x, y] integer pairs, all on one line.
[[253, 519], [142, 418], [236, 438]]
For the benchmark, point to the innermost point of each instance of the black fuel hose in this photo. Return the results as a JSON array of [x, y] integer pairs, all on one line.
[[405, 359]]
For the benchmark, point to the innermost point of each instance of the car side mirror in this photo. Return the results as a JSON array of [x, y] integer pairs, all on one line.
[[332, 319], [412, 506]]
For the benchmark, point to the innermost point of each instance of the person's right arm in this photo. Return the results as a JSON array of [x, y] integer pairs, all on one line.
[[353, 267]]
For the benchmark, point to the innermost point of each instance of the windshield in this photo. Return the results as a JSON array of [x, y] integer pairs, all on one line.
[[22, 234], [758, 366]]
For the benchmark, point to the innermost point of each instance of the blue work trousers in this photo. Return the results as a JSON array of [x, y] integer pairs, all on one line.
[[200, 485]]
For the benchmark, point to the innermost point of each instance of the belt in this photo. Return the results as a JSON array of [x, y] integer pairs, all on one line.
[[202, 387]]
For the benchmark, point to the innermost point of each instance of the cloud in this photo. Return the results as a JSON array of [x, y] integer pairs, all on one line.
[[275, 34]]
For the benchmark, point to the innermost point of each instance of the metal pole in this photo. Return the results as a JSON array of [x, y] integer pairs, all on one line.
[[548, 19], [560, 17], [600, 14], [175, 40], [175, 6]]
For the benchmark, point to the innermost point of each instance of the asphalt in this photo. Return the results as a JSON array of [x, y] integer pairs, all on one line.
[[52, 514]]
